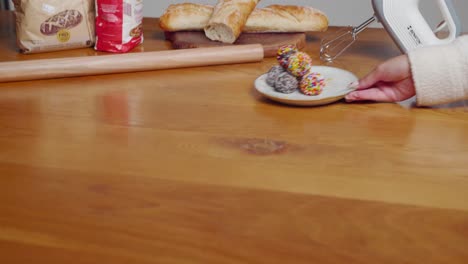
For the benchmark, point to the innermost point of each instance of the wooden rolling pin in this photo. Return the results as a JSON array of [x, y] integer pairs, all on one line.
[[130, 62]]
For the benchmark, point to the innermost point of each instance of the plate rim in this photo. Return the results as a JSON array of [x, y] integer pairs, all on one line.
[[305, 100]]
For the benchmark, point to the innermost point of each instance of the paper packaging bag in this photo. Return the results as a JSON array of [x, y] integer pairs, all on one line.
[[49, 25], [118, 25]]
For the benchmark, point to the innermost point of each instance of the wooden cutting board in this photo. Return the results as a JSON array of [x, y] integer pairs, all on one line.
[[270, 41]]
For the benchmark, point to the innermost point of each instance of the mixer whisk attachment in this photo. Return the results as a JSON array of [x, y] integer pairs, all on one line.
[[333, 45]]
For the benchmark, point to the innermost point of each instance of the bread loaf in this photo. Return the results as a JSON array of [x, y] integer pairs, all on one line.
[[228, 19], [286, 18], [275, 18], [185, 17], [64, 20]]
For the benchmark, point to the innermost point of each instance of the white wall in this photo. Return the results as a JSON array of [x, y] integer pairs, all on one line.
[[340, 12]]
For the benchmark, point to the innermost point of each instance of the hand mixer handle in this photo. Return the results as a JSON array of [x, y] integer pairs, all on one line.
[[451, 18], [407, 26]]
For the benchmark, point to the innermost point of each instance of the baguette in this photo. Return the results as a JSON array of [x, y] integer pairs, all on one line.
[[287, 18], [274, 18], [185, 17], [228, 19]]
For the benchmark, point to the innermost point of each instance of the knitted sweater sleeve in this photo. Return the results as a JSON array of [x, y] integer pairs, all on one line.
[[440, 73]]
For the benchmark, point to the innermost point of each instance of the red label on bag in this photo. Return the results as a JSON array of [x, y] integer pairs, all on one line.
[[118, 25]]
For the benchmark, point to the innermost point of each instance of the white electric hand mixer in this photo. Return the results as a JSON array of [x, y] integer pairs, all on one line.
[[403, 21]]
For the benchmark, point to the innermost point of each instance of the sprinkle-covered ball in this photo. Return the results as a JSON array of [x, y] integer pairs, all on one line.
[[286, 83], [273, 74], [299, 64], [283, 54], [312, 84]]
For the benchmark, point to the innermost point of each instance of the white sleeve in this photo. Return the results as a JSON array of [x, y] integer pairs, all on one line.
[[440, 73]]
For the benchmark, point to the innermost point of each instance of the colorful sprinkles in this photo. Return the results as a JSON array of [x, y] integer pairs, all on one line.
[[299, 64], [283, 54], [312, 84]]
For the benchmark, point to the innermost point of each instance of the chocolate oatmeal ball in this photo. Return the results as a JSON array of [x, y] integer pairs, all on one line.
[[273, 74], [286, 83]]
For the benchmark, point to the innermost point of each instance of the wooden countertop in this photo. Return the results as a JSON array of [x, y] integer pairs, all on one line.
[[192, 166]]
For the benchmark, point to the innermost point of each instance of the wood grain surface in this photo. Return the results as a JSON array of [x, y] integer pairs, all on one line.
[[192, 166]]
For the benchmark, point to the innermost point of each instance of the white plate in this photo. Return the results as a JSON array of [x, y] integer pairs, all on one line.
[[336, 89]]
